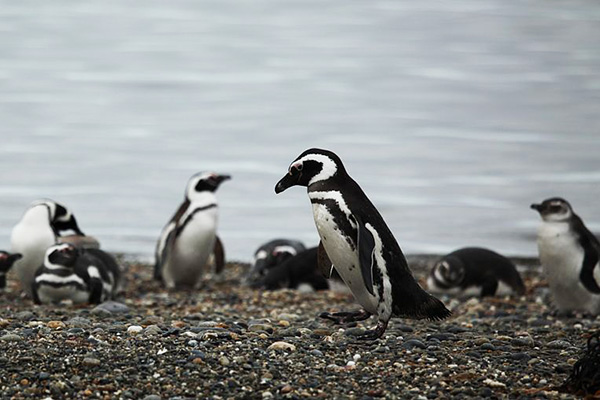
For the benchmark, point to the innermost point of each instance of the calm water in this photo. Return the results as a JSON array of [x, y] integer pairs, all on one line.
[[453, 116]]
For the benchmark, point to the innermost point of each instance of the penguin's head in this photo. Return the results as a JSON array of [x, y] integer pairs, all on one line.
[[61, 255], [204, 182], [554, 209], [312, 166], [59, 217], [448, 274], [265, 260]]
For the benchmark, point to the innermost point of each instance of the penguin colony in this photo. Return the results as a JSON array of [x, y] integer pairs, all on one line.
[[55, 261]]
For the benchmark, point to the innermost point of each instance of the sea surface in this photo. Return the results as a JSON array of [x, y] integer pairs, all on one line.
[[453, 116]]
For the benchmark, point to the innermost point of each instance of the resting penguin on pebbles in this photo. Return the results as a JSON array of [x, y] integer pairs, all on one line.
[[190, 237], [299, 272], [270, 255], [474, 270], [569, 254], [76, 274], [357, 241], [44, 223], [6, 262]]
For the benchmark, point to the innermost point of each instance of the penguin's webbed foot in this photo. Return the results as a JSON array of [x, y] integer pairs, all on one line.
[[345, 317], [375, 333]]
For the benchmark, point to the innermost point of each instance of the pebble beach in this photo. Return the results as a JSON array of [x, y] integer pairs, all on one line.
[[227, 341]]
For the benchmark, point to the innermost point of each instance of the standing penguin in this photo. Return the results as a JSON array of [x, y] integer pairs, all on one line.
[[483, 270], [76, 274], [359, 244], [569, 254], [41, 226], [190, 237], [6, 262]]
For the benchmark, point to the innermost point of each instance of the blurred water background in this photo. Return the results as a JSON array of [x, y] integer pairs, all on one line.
[[454, 116]]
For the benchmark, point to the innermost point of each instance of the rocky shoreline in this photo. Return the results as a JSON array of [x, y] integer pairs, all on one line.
[[228, 341]]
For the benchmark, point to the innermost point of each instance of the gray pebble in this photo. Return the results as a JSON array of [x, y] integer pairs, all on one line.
[[25, 316], [11, 337], [520, 356], [522, 341], [152, 330], [558, 344], [412, 343], [152, 397], [91, 362], [79, 322], [316, 353], [112, 307]]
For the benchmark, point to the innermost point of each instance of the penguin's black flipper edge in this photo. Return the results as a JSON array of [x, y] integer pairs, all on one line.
[[366, 248], [590, 270], [324, 264]]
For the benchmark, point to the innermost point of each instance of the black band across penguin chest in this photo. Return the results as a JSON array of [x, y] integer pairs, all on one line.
[[339, 219]]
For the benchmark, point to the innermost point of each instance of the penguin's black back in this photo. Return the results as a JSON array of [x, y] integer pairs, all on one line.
[[409, 299], [480, 264]]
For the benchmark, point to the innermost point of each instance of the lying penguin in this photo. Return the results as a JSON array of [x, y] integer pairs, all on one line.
[[76, 274], [44, 223], [475, 270], [271, 254], [298, 272], [6, 262]]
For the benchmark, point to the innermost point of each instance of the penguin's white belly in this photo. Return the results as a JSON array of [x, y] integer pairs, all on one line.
[[32, 243], [343, 257], [191, 249], [561, 257], [49, 294]]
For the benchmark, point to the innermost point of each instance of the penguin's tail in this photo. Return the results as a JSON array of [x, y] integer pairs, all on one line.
[[421, 305]]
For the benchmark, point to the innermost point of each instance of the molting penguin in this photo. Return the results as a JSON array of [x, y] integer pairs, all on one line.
[[190, 238], [6, 262], [42, 225], [270, 255], [473, 268], [569, 254], [362, 249], [76, 274]]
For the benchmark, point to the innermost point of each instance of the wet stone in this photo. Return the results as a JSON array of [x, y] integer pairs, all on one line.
[[412, 343]]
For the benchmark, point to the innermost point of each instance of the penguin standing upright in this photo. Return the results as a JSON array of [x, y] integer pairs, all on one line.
[[76, 274], [190, 237], [359, 244], [569, 254], [6, 262], [41, 226]]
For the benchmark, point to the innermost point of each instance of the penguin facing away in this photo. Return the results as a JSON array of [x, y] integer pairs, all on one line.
[[76, 274], [357, 241], [189, 239], [6, 262], [271, 254], [42, 225], [475, 270], [569, 254]]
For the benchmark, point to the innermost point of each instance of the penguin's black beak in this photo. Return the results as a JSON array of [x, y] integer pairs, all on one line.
[[286, 182], [14, 257], [537, 207], [222, 178]]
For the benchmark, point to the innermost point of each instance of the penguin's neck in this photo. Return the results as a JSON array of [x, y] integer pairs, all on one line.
[[202, 199]]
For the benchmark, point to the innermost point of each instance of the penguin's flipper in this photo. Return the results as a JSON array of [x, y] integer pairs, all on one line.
[[95, 291], [366, 248], [219, 253], [324, 264], [590, 270]]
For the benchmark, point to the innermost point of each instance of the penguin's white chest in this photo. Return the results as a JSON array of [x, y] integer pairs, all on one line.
[[31, 240], [192, 247], [343, 256], [561, 257]]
